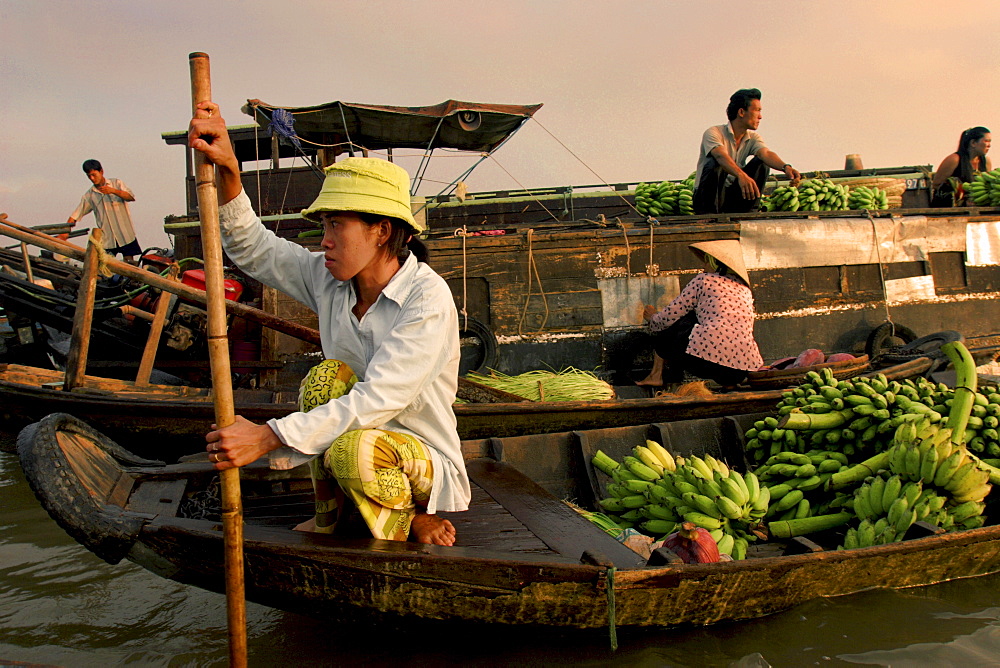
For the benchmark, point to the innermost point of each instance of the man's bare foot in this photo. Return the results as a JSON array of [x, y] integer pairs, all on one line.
[[432, 530]]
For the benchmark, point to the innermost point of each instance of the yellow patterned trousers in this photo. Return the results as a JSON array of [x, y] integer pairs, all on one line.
[[385, 474]]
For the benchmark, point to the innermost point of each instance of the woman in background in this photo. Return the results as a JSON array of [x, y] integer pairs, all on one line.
[[961, 166], [707, 330]]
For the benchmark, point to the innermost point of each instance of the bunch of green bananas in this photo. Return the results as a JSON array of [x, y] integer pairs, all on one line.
[[654, 493], [782, 198], [887, 507], [925, 452], [867, 197], [797, 483], [984, 189], [665, 198], [822, 195], [859, 416]]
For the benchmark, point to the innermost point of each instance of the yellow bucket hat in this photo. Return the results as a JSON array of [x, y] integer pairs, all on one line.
[[365, 185]]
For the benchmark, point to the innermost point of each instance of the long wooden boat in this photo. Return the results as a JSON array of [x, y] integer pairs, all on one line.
[[170, 421], [558, 275], [523, 557]]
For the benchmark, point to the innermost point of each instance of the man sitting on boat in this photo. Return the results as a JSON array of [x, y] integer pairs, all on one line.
[[388, 442], [725, 182], [707, 330]]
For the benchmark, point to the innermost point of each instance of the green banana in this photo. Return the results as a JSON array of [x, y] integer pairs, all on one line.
[[702, 520]]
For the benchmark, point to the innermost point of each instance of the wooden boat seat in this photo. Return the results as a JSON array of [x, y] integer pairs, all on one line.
[[504, 498]]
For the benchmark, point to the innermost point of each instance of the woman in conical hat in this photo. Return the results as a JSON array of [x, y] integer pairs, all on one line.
[[707, 330], [375, 419]]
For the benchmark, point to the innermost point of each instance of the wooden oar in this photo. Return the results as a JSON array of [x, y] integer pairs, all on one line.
[[222, 388]]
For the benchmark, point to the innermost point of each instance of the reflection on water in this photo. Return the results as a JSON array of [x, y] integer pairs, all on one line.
[[59, 604]]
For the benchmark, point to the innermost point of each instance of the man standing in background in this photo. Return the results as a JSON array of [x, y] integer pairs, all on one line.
[[109, 199]]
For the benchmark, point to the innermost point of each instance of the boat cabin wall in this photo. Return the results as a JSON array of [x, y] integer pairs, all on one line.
[[556, 296]]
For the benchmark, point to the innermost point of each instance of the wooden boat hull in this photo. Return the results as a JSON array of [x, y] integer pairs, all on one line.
[[172, 421], [132, 510]]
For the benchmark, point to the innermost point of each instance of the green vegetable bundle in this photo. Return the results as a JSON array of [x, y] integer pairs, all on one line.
[[567, 385]]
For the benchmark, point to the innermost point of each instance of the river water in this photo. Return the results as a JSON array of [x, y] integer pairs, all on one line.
[[61, 605]]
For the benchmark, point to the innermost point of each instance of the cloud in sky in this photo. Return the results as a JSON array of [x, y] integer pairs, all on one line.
[[628, 87]]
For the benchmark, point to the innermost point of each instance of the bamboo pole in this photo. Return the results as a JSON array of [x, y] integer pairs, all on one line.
[[27, 262], [83, 316], [55, 245], [155, 330], [222, 390]]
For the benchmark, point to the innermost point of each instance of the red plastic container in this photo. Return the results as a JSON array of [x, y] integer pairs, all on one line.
[[195, 278]]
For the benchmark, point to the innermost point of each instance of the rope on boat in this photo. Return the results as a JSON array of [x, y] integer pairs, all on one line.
[[532, 267], [581, 161], [102, 256], [881, 270], [612, 632], [628, 249], [652, 269], [463, 232], [520, 185]]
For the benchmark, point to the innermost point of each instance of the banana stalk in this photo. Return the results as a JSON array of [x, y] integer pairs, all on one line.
[[965, 389], [859, 472], [800, 527], [815, 421]]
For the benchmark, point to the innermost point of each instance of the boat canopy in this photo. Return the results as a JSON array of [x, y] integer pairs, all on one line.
[[466, 126]]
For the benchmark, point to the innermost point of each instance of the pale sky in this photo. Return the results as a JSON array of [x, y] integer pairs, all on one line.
[[627, 87]]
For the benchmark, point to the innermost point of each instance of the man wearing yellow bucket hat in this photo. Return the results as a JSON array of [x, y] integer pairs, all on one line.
[[375, 419], [707, 329]]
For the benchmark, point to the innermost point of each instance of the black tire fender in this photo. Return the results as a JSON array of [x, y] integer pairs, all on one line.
[[878, 339], [106, 530], [472, 328]]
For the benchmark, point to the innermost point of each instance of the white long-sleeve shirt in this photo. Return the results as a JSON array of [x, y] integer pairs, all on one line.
[[404, 351]]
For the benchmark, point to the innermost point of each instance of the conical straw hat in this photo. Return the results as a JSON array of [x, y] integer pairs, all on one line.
[[728, 252]]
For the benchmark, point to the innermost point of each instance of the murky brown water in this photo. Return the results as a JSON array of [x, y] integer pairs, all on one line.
[[61, 605]]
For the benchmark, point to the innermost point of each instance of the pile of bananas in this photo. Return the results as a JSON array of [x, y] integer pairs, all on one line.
[[796, 482], [782, 198], [984, 189], [862, 414], [918, 468], [867, 197], [654, 492], [665, 198], [928, 479], [825, 195], [822, 195], [810, 195]]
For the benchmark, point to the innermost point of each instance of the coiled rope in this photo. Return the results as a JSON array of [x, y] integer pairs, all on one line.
[[102, 256]]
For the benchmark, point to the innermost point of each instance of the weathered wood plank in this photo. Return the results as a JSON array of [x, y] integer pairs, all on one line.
[[552, 521]]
